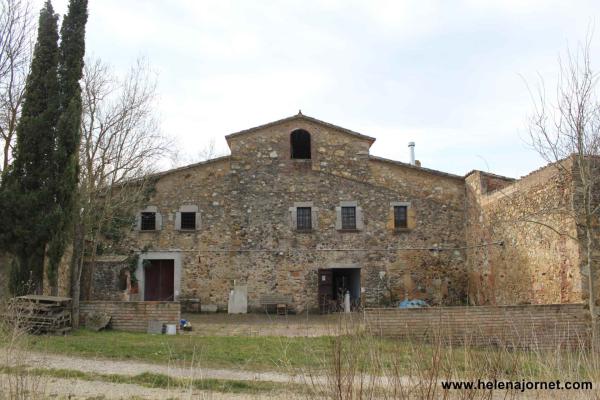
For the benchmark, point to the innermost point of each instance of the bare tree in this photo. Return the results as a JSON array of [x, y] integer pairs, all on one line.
[[16, 30], [565, 131], [208, 152], [121, 143]]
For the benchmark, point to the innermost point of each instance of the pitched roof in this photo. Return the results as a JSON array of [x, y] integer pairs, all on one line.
[[160, 174], [506, 178], [422, 169], [301, 117], [189, 166]]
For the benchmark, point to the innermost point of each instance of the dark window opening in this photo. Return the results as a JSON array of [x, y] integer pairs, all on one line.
[[188, 220], [303, 218], [148, 221], [300, 141], [400, 217], [348, 217]]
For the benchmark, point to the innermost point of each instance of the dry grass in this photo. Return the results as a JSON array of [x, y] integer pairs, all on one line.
[[353, 365], [375, 373], [17, 382]]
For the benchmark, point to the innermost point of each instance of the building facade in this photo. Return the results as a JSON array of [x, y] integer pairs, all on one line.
[[301, 209]]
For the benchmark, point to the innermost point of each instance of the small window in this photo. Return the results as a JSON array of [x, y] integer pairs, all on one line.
[[300, 144], [303, 218], [400, 217], [188, 220], [348, 217], [148, 221]]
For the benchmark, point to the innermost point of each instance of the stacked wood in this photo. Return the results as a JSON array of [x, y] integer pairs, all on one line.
[[42, 314]]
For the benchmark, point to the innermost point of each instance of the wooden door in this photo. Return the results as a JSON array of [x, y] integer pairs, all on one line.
[[325, 290], [159, 280]]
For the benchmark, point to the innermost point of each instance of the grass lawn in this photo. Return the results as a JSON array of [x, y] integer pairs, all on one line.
[[239, 352], [291, 354]]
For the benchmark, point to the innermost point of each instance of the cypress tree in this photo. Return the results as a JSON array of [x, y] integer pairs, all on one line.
[[70, 72], [27, 197]]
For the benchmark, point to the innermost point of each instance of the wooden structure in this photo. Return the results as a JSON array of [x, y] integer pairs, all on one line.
[[281, 302], [42, 314], [159, 280]]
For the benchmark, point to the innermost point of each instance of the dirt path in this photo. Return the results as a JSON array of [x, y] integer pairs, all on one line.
[[56, 388], [84, 389], [131, 368]]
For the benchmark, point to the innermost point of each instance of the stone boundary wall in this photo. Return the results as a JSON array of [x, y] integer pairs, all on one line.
[[133, 316], [525, 326], [535, 178]]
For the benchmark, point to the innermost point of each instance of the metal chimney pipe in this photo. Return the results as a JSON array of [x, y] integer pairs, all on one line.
[[411, 146]]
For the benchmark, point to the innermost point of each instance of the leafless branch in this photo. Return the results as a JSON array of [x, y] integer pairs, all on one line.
[[16, 46], [121, 141], [566, 132]]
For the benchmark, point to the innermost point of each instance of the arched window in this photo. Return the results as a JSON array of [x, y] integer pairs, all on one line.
[[300, 141]]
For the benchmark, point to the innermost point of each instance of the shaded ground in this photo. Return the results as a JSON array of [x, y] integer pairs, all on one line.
[[262, 324]]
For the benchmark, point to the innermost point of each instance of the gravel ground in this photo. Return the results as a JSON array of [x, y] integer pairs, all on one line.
[[131, 368], [58, 388], [55, 388], [261, 324]]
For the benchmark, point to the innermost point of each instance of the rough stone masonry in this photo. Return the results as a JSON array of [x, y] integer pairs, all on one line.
[[301, 209]]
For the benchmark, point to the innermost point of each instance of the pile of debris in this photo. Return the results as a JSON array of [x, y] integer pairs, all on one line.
[[42, 314]]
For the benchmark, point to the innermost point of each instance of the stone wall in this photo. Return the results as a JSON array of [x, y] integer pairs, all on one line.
[[539, 261], [529, 326], [499, 238], [63, 288], [63, 275], [578, 204], [107, 278], [133, 316], [244, 202]]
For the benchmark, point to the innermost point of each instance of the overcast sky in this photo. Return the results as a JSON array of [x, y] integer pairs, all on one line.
[[449, 75]]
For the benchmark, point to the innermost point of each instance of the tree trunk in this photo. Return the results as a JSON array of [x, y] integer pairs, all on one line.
[[76, 268], [6, 152], [591, 280], [586, 177]]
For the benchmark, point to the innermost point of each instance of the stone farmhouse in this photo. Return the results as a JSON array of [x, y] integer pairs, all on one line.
[[302, 209]]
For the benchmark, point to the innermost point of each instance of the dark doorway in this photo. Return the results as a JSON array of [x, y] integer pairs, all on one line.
[[333, 284], [325, 290], [300, 143], [159, 280]]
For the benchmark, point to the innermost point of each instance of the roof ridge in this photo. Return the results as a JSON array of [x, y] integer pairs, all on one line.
[[300, 116], [490, 174]]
